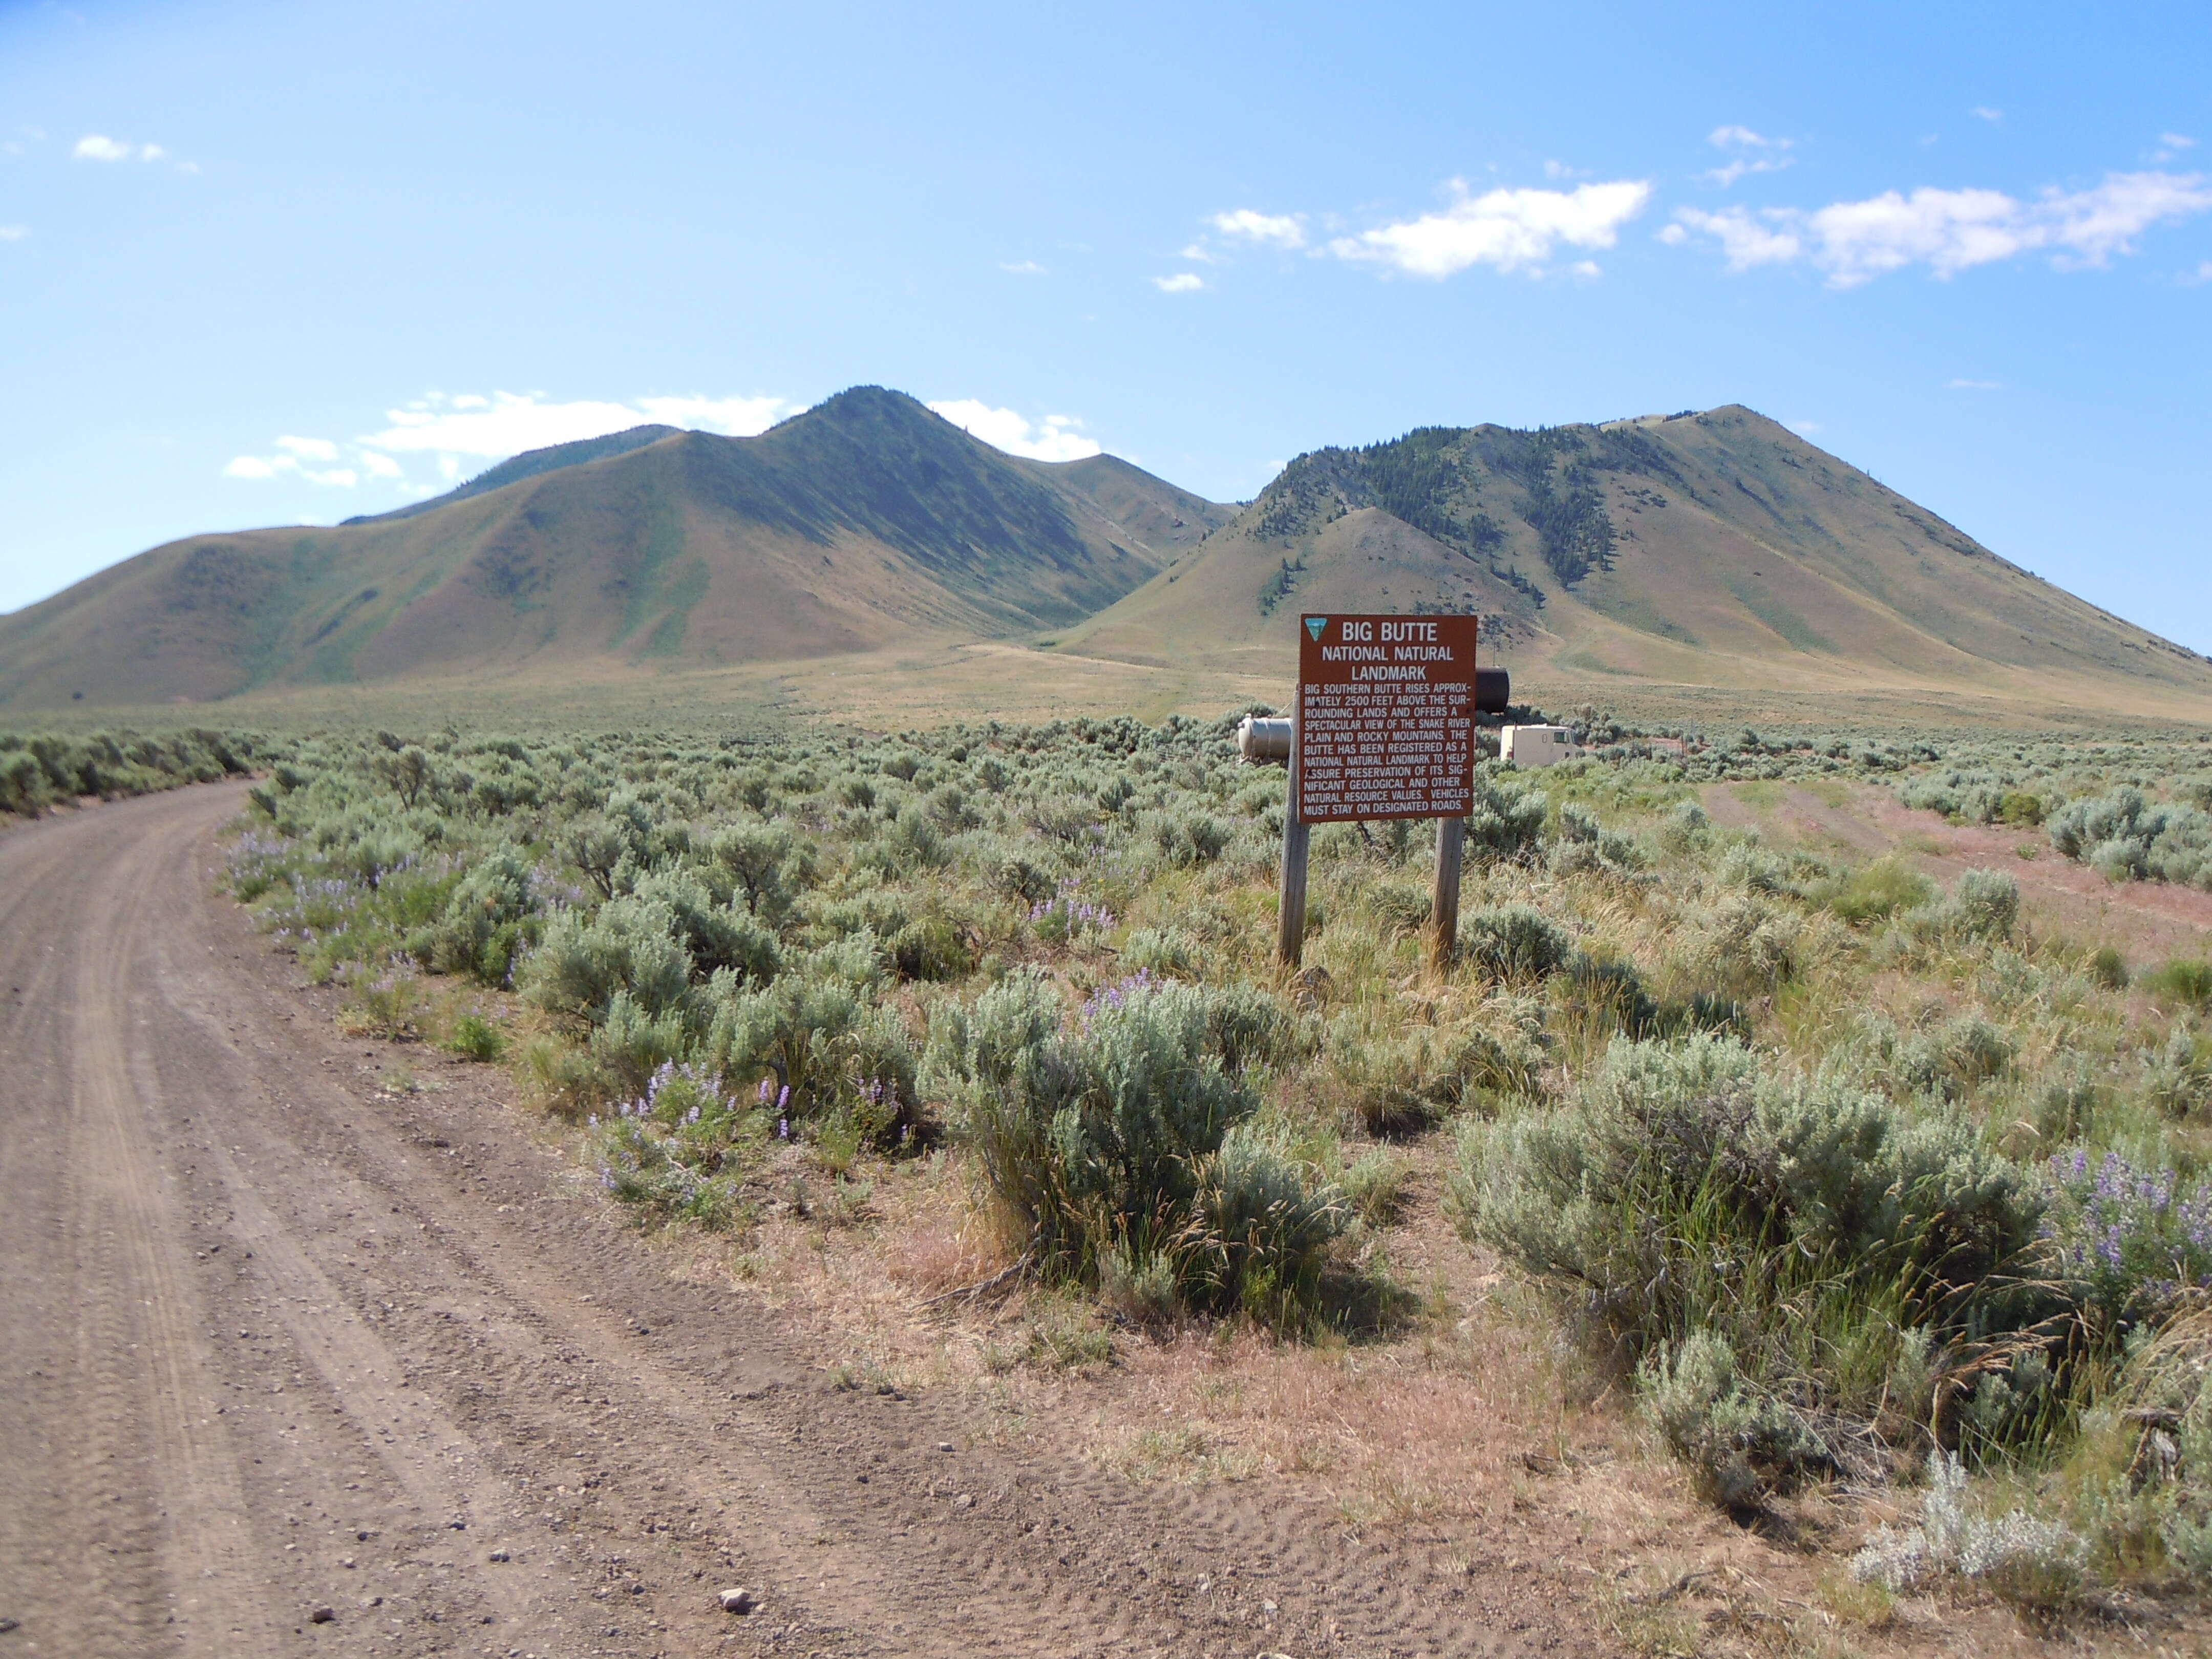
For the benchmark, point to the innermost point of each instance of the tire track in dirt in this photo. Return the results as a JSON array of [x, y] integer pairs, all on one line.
[[111, 1368], [139, 1286], [2071, 898], [311, 1324]]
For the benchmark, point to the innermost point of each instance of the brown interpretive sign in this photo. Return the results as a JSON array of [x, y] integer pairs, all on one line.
[[1386, 717]]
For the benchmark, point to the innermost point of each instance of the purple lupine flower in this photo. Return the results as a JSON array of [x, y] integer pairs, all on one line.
[[2131, 1233]]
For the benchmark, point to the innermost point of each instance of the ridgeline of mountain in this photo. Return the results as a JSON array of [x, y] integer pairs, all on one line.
[[1699, 549], [864, 522], [529, 465], [1715, 549]]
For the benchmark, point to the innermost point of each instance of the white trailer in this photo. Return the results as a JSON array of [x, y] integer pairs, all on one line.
[[1536, 745]]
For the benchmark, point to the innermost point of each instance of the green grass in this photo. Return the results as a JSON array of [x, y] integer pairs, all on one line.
[[476, 1038], [1876, 891], [2181, 981]]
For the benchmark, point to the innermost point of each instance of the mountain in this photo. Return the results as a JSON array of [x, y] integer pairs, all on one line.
[[1715, 549], [866, 521]]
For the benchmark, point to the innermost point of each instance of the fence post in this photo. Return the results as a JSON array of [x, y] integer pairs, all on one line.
[[1291, 915], [1443, 902]]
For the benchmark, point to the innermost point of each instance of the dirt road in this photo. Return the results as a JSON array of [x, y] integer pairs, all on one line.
[[292, 1365], [2146, 919]]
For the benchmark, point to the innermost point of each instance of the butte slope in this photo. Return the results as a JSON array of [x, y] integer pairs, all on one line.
[[864, 521], [1716, 549]]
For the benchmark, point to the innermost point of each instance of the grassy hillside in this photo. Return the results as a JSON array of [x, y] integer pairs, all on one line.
[[868, 561], [866, 522], [1715, 550]]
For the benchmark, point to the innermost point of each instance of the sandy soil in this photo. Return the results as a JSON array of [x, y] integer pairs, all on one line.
[[296, 1362]]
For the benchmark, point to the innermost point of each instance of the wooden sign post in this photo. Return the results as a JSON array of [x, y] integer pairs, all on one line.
[[1291, 906], [1384, 728]]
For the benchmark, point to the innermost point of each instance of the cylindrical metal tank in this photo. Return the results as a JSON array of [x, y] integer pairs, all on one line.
[[1259, 740]]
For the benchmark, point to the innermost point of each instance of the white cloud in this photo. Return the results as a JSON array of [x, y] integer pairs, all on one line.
[[1024, 268], [1756, 153], [1183, 282], [1052, 439], [1744, 238], [1805, 429], [2177, 141], [733, 417], [1727, 175], [269, 466], [1953, 230], [1200, 251], [1282, 229], [94, 147], [1949, 230], [1973, 386], [448, 429], [1986, 112], [1505, 229], [14, 232], [507, 423], [2090, 226], [2203, 274]]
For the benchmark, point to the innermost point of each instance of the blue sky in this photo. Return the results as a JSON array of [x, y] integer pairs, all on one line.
[[271, 264]]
